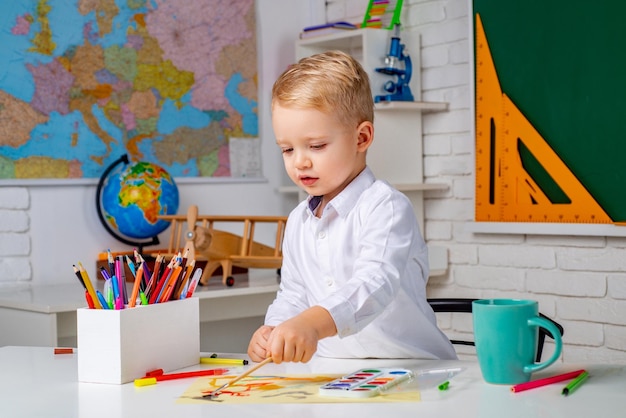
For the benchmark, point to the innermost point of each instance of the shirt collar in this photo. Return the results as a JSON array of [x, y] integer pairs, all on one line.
[[346, 200], [314, 202]]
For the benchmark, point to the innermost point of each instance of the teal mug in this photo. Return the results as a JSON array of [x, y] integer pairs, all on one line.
[[506, 332]]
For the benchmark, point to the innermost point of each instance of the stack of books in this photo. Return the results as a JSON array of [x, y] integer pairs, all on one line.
[[326, 29]]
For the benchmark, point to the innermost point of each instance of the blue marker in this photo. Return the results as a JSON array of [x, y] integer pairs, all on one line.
[[119, 304], [102, 300], [105, 274]]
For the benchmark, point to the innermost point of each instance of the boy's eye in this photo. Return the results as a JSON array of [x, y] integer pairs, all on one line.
[[287, 150], [318, 146]]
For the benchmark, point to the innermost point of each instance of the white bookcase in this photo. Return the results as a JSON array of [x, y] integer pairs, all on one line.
[[396, 153]]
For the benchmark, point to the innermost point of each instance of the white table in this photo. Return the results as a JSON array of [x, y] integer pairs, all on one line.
[[46, 315], [36, 383]]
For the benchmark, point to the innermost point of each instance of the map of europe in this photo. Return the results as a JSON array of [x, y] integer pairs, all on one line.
[[83, 82]]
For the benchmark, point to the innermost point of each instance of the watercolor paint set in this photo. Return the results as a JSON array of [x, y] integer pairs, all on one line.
[[366, 383]]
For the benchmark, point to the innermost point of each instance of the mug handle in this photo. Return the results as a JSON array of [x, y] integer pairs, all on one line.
[[544, 323]]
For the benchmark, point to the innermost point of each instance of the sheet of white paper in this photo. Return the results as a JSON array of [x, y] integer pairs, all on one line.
[[245, 157]]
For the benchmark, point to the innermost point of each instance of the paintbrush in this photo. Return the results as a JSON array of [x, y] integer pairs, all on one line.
[[238, 378]]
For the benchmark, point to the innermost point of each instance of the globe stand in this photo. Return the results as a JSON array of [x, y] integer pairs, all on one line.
[[139, 245]]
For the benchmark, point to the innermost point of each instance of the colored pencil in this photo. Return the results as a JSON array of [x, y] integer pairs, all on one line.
[[135, 293], [177, 284], [161, 282], [169, 286], [80, 277], [111, 263], [546, 381], [146, 273], [131, 266], [185, 279], [89, 286], [154, 276]]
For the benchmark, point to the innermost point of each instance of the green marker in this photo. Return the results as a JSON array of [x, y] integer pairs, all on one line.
[[574, 384], [444, 385], [110, 297]]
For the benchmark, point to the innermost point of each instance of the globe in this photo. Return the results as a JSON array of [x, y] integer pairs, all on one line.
[[132, 196]]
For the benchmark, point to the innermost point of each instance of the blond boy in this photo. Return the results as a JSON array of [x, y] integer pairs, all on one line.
[[355, 266]]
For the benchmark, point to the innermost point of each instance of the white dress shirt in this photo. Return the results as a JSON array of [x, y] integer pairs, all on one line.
[[365, 261]]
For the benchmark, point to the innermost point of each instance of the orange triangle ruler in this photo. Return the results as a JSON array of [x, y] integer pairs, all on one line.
[[505, 191]]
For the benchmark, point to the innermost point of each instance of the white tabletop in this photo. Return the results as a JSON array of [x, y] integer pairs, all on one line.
[[36, 383]]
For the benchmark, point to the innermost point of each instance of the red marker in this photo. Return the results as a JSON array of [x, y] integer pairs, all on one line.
[[89, 300], [155, 377], [193, 283]]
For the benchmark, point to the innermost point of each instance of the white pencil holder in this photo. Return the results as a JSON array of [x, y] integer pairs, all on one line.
[[119, 346]]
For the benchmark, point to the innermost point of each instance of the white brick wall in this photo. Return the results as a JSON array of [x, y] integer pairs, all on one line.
[[14, 198], [14, 235], [579, 281]]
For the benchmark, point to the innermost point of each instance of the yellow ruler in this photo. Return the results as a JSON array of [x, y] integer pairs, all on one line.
[[505, 191]]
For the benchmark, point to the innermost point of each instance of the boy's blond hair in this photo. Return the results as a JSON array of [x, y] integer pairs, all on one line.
[[332, 82]]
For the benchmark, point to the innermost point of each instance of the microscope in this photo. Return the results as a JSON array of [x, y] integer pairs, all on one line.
[[394, 61]]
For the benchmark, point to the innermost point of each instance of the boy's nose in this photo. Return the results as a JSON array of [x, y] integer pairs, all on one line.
[[302, 161]]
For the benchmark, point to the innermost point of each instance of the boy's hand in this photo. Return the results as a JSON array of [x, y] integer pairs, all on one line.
[[296, 339], [258, 348]]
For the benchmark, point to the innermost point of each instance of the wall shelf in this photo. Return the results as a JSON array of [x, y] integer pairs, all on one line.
[[424, 107], [396, 153]]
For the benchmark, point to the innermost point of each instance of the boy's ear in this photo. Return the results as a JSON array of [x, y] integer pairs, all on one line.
[[365, 132]]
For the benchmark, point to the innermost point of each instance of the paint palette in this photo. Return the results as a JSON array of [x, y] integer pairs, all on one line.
[[365, 383]]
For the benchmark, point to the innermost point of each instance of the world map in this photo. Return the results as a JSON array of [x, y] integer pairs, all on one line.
[[83, 82]]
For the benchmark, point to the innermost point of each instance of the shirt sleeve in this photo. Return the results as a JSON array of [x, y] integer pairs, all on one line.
[[290, 299], [388, 238]]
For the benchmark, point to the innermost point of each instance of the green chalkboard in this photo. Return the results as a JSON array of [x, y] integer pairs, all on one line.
[[563, 63]]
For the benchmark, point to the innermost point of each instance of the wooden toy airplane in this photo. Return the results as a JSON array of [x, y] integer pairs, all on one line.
[[221, 248]]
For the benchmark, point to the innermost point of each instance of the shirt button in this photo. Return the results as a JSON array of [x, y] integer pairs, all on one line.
[[329, 281], [322, 235]]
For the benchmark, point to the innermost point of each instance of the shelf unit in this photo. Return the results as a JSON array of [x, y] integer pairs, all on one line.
[[396, 153]]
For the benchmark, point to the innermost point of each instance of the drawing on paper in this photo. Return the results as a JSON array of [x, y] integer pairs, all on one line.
[[282, 389]]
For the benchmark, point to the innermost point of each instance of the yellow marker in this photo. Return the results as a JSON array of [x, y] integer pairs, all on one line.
[[216, 360], [145, 381]]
